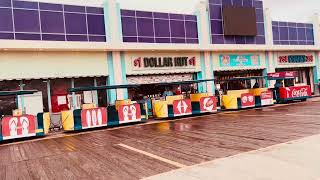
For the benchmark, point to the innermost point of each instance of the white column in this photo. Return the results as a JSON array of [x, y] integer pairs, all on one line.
[[209, 71], [268, 27], [316, 29], [117, 69], [203, 23], [112, 21], [272, 65]]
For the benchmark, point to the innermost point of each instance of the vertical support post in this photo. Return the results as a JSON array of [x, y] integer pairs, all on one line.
[[21, 97], [96, 95], [74, 100], [49, 95]]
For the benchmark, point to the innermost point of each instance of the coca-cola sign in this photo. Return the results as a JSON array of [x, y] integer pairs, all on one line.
[[266, 98], [295, 92], [285, 74]]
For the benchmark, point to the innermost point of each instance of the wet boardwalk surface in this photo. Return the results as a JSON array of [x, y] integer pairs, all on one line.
[[145, 150]]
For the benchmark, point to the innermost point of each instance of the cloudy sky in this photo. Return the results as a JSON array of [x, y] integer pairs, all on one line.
[[285, 10]]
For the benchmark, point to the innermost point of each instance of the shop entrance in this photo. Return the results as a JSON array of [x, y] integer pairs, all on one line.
[[154, 87], [223, 84], [304, 75], [148, 90]]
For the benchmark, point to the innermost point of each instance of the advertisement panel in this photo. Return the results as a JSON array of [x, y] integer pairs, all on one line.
[[231, 60], [266, 98], [91, 118], [208, 104], [286, 74], [247, 100], [129, 113], [18, 126], [295, 92], [182, 107]]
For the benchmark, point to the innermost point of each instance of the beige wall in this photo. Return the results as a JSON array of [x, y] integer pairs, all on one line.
[[36, 65]]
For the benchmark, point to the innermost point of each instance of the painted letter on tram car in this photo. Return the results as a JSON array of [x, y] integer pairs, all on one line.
[[182, 107], [208, 104], [247, 100]]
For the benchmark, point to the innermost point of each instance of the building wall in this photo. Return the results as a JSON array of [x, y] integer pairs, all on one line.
[[156, 27], [42, 65], [216, 22], [23, 20], [26, 45], [291, 33]]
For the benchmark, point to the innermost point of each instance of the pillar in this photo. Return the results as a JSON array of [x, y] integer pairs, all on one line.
[[112, 20], [203, 24], [316, 35], [268, 27]]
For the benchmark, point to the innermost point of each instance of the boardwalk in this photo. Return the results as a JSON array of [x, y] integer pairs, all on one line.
[[144, 150]]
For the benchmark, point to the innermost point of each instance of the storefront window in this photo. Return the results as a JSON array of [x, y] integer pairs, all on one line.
[[59, 94], [8, 103], [149, 90], [225, 82], [102, 95], [41, 86], [303, 76], [87, 97]]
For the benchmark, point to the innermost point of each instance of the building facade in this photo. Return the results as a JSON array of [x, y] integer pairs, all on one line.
[[54, 47]]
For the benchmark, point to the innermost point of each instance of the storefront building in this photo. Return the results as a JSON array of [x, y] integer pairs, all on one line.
[[229, 66], [149, 68], [53, 47]]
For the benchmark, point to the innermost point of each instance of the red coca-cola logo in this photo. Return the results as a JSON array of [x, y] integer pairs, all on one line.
[[267, 95], [300, 92]]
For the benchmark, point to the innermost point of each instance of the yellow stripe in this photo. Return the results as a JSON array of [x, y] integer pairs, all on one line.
[[153, 156]]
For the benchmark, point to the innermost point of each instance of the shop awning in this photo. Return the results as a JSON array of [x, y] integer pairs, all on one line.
[[180, 82], [244, 78], [94, 88], [15, 93]]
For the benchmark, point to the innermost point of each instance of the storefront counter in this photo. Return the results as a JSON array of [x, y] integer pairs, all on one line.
[[22, 126]]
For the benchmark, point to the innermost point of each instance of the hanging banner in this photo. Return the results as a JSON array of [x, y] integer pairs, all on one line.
[[247, 100], [295, 92], [92, 118], [208, 104], [232, 60], [18, 126], [266, 98], [182, 107], [129, 113]]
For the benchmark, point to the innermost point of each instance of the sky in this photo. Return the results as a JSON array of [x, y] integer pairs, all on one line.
[[282, 10]]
